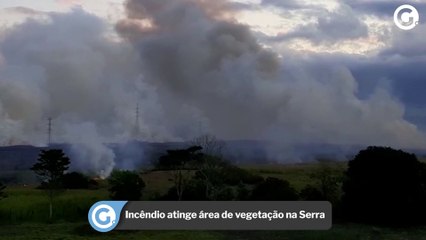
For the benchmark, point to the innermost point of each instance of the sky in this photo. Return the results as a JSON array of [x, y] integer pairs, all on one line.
[[334, 71]]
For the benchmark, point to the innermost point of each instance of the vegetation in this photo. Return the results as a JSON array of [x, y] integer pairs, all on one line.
[[81, 231], [326, 183], [274, 189], [2, 188], [76, 180], [125, 185], [50, 168], [28, 204], [210, 145], [374, 175], [180, 162], [385, 186]]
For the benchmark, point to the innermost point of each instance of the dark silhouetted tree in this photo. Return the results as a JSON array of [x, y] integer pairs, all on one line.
[[242, 192], [50, 169], [182, 163], [311, 193], [125, 185], [274, 189], [222, 176], [210, 145], [327, 179], [76, 180], [194, 191], [384, 186]]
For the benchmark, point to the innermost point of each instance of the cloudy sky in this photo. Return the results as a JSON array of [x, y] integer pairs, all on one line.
[[287, 70]]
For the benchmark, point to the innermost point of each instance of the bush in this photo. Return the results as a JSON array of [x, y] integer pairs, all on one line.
[[75, 180], [243, 193], [125, 185], [225, 194], [311, 193], [274, 189], [327, 181], [195, 190], [384, 186], [231, 175]]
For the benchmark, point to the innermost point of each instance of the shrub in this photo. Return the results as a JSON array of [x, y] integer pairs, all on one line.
[[194, 191], [125, 185], [232, 175], [274, 189], [75, 180], [384, 186], [311, 193]]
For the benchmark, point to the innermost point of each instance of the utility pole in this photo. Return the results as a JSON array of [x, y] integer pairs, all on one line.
[[49, 131], [137, 128]]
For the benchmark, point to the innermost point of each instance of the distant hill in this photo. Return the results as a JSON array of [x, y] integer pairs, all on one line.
[[138, 153]]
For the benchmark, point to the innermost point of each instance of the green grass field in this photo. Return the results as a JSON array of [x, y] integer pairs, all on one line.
[[82, 231], [299, 175], [25, 204], [24, 214]]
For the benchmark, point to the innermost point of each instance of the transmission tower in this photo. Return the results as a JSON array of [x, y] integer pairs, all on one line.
[[49, 131], [136, 131]]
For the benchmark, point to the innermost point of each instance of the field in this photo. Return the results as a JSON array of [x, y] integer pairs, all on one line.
[[24, 214], [81, 231]]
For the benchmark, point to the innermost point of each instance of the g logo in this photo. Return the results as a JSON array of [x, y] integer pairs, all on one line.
[[104, 216], [406, 17]]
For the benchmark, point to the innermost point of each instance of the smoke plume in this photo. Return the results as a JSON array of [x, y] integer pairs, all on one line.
[[193, 69], [195, 57]]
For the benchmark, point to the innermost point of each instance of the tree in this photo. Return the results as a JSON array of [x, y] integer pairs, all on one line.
[[274, 189], [194, 191], [222, 176], [311, 193], [125, 185], [210, 145], [384, 186], [181, 162], [211, 165], [50, 169], [209, 172], [327, 180], [75, 180]]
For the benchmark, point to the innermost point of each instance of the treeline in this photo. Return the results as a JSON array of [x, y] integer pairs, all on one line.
[[380, 185]]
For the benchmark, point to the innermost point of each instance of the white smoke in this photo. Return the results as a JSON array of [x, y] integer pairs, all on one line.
[[197, 58], [66, 68], [192, 69]]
